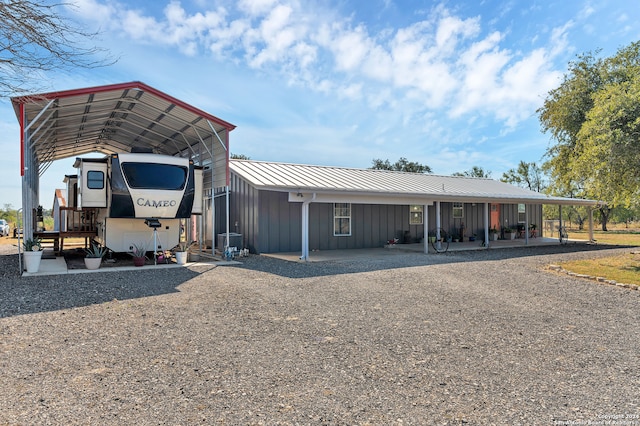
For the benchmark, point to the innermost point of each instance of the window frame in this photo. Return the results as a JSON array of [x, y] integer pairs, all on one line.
[[457, 206], [416, 211], [339, 218], [91, 181], [523, 213], [154, 176]]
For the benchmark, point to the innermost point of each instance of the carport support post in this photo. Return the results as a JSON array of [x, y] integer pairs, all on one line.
[[590, 225]]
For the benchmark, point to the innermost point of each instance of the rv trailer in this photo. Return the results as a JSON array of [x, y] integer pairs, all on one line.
[[136, 195]]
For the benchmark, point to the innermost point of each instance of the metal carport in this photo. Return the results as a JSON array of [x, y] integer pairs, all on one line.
[[111, 119]]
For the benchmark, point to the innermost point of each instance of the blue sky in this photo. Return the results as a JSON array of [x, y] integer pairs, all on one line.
[[450, 84]]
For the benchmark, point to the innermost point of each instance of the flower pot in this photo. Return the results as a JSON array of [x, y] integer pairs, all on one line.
[[92, 262], [138, 261], [194, 257], [181, 257], [32, 260], [495, 237]]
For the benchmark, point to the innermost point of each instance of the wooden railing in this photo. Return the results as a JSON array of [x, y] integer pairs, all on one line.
[[75, 221]]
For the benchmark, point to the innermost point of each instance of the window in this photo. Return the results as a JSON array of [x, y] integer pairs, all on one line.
[[521, 213], [155, 176], [95, 179], [457, 211], [342, 219], [415, 215]]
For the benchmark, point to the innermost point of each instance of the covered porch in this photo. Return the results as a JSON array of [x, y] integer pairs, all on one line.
[[404, 249]]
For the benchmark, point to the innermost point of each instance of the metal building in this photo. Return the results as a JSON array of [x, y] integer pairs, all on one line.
[[279, 207]]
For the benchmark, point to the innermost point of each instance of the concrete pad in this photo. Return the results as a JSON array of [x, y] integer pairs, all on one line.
[[399, 249]]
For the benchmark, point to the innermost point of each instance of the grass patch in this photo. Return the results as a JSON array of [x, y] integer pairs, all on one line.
[[624, 268], [622, 238]]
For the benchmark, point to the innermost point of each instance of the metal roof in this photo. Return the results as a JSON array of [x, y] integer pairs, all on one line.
[[383, 183], [111, 119]]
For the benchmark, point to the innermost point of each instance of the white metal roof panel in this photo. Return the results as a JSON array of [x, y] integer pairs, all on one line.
[[300, 177], [113, 118]]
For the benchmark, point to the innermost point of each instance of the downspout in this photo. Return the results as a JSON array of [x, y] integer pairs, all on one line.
[[305, 227]]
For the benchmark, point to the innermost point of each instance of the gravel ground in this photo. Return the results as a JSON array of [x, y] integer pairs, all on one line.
[[484, 337]]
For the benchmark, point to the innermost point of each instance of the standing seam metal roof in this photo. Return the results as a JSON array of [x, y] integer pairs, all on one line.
[[301, 177], [112, 118]]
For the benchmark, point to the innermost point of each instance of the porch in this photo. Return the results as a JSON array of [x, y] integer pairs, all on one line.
[[399, 249]]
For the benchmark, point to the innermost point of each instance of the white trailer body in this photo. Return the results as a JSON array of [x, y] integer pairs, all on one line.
[[130, 189]]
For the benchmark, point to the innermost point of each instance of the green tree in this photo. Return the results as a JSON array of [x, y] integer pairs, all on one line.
[[402, 165], [239, 157], [526, 175], [594, 119], [475, 171]]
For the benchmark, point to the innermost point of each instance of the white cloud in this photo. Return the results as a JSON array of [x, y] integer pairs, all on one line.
[[256, 7], [350, 48], [443, 60]]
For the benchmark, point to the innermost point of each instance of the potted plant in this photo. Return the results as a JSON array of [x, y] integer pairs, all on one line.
[[493, 232], [139, 254], [473, 237], [32, 254], [533, 230], [93, 257], [510, 232], [181, 252]]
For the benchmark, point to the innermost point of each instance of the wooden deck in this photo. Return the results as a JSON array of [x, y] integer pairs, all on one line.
[[74, 224]]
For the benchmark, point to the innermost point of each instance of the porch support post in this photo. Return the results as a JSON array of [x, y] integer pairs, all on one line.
[[438, 243], [305, 232], [526, 224], [425, 224], [590, 224], [486, 224], [559, 220], [305, 228]]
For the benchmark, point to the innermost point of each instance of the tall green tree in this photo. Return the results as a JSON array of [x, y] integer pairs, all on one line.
[[526, 175], [402, 165], [594, 119], [475, 171]]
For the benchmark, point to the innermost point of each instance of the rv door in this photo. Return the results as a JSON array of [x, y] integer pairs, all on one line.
[[92, 184]]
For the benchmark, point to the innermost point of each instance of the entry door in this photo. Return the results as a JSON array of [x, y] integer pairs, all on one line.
[[495, 216]]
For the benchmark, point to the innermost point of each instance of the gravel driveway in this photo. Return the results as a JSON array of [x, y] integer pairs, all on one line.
[[484, 337]]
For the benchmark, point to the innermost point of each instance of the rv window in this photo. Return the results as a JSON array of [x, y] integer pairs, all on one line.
[[95, 179], [154, 176]]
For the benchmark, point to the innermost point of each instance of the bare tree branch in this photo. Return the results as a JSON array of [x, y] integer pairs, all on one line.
[[35, 38]]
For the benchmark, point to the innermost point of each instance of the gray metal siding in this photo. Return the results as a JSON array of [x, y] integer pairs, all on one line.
[[280, 223], [269, 223]]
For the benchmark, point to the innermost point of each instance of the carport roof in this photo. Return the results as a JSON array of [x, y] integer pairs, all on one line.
[[387, 184], [110, 119]]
